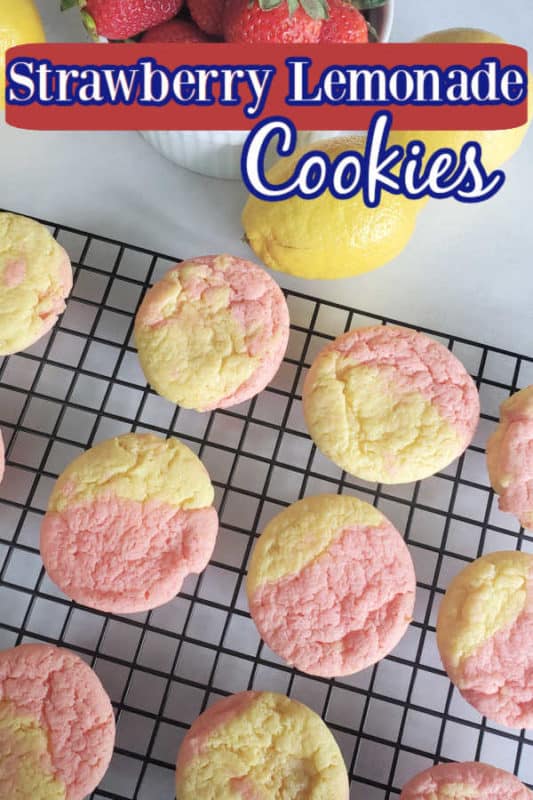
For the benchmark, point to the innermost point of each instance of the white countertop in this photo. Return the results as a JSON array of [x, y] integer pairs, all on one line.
[[468, 269]]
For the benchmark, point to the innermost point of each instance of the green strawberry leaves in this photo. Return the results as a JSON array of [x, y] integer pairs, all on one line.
[[367, 5], [88, 21], [268, 5], [372, 33], [90, 25], [316, 9]]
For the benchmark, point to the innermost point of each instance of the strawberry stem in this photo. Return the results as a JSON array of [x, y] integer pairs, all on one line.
[[90, 25]]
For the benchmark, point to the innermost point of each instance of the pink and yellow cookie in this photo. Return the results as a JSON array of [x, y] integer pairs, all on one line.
[[485, 636], [331, 585], [390, 405], [510, 457], [212, 333], [57, 728], [260, 746], [466, 781], [35, 280], [127, 521]]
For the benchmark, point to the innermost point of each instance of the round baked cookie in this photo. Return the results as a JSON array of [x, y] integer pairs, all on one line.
[[390, 405], [57, 728], [260, 746], [466, 781], [127, 521], [331, 585], [212, 333], [510, 457], [485, 636], [35, 280]]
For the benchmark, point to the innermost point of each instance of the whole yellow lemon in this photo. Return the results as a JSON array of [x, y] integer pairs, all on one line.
[[20, 23], [497, 146], [327, 237]]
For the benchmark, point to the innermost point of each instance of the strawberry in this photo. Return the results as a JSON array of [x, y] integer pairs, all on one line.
[[175, 30], [208, 15], [345, 24], [271, 21], [121, 19]]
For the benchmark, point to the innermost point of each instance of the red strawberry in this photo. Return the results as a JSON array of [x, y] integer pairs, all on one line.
[[345, 24], [120, 19], [271, 21], [176, 30], [208, 15]]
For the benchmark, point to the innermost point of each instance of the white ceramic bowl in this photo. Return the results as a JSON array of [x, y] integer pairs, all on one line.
[[218, 153]]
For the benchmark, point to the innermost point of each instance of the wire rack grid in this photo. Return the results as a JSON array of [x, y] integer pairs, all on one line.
[[82, 384]]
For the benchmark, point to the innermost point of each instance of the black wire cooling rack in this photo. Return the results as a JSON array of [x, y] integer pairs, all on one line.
[[83, 384]]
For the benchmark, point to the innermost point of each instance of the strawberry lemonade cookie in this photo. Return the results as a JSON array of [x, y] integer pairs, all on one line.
[[331, 585], [260, 746], [467, 781], [127, 521], [485, 636], [510, 457], [35, 280], [390, 405], [212, 333], [57, 728]]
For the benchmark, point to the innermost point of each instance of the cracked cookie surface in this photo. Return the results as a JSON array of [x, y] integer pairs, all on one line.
[[212, 333], [127, 521], [260, 746], [57, 728], [465, 781], [331, 585], [485, 636], [35, 280], [390, 405]]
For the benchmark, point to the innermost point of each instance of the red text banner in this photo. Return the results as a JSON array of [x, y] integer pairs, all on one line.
[[232, 87]]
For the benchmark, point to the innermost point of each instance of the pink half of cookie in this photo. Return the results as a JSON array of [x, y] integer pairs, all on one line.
[[123, 556], [510, 457], [67, 701], [466, 781], [497, 678], [346, 609], [413, 362]]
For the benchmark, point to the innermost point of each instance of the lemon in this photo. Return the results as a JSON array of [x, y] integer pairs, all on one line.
[[20, 23], [326, 237], [497, 146]]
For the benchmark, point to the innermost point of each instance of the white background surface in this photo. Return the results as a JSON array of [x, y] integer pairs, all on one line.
[[468, 269]]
